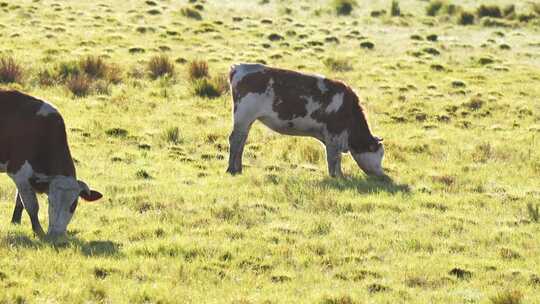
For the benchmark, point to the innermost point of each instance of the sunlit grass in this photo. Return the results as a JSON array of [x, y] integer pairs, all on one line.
[[455, 222]]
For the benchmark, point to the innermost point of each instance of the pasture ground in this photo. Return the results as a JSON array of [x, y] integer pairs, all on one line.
[[460, 117]]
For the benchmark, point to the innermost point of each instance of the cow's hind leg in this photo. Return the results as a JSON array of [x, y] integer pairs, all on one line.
[[17, 212], [333, 157], [30, 202], [237, 141]]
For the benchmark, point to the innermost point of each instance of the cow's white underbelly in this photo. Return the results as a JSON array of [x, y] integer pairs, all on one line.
[[299, 126]]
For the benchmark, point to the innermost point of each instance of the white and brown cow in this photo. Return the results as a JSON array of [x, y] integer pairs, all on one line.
[[293, 103], [35, 154]]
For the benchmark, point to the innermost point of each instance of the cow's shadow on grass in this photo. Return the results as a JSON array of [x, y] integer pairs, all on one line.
[[17, 239], [370, 184]]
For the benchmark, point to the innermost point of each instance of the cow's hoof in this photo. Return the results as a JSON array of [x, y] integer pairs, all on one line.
[[337, 176], [40, 233], [234, 172]]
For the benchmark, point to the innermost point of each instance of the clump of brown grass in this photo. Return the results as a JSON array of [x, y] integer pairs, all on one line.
[[114, 74], [395, 10], [338, 64], [507, 297], [466, 18], [536, 8], [191, 13], [94, 66], [344, 7], [534, 212], [221, 82], [161, 65], [198, 69], [204, 87], [493, 11], [10, 70], [47, 77], [80, 85]]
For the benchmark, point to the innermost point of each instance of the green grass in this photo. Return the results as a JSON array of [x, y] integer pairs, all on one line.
[[452, 225]]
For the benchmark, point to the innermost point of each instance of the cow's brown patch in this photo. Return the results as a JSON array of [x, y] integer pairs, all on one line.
[[256, 82], [292, 93], [25, 136]]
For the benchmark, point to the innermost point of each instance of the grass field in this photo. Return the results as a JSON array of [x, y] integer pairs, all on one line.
[[457, 105]]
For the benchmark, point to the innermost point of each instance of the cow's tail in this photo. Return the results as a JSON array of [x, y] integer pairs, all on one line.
[[232, 71]]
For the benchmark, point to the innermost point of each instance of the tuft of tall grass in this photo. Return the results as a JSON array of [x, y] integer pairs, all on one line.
[[10, 70], [344, 7], [160, 65], [493, 11], [172, 135], [395, 10], [101, 86], [198, 69], [434, 7], [221, 82], [79, 85], [114, 74], [338, 64], [466, 18], [509, 11], [344, 299], [451, 9], [137, 72], [66, 70], [94, 66], [534, 212], [204, 85], [536, 8], [206, 88], [191, 13], [507, 297], [47, 77]]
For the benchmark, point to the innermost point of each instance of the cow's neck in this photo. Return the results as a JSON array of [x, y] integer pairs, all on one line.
[[61, 163], [360, 136]]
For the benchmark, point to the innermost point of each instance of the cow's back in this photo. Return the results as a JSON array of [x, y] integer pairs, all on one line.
[[295, 103]]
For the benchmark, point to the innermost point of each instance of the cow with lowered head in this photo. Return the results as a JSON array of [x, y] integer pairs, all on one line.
[[34, 153], [299, 104]]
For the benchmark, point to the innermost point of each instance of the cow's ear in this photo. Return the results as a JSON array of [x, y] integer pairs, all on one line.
[[87, 194], [90, 197]]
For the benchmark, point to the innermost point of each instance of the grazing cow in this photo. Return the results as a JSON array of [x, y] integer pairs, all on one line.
[[299, 104], [35, 154]]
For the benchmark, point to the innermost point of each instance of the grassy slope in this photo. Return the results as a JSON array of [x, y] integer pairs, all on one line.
[[284, 232]]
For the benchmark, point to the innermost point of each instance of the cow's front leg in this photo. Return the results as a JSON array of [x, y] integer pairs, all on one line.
[[333, 157], [237, 141], [17, 211], [30, 203]]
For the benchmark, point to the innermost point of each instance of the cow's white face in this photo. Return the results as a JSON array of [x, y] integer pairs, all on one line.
[[63, 194], [370, 162]]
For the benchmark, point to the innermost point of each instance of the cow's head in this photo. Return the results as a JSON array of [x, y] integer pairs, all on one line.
[[370, 161], [64, 193]]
